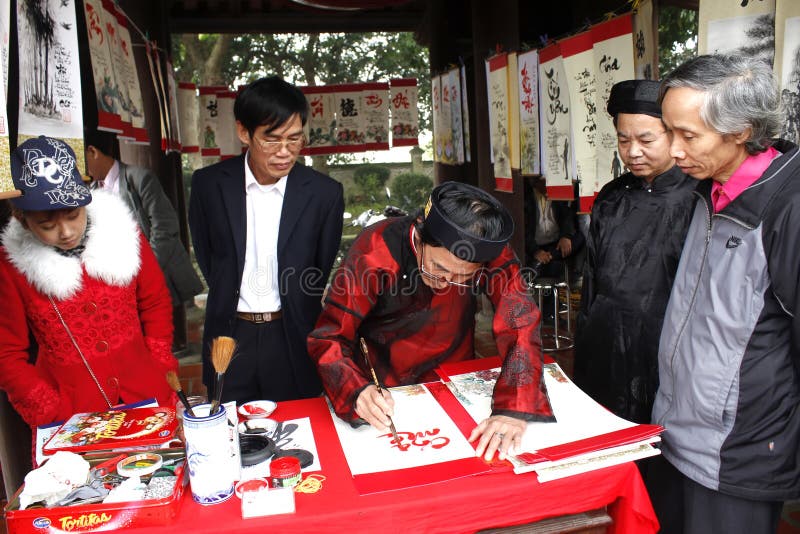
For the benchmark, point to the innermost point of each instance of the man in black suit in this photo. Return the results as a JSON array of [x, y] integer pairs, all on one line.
[[266, 231]]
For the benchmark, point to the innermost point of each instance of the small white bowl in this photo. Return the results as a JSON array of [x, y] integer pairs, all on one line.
[[257, 409], [258, 426]]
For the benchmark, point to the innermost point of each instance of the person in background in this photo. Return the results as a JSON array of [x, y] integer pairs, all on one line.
[[729, 353], [141, 191], [266, 231], [408, 287], [553, 235], [80, 280], [638, 225]]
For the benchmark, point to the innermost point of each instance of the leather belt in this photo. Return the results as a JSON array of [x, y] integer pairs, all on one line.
[[258, 318]]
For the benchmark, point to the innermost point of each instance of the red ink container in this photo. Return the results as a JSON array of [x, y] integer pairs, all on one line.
[[284, 472]]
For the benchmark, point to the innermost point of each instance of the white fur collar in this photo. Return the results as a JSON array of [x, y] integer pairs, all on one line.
[[111, 255]]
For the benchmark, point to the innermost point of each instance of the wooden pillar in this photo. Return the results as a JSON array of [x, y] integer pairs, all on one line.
[[494, 23]]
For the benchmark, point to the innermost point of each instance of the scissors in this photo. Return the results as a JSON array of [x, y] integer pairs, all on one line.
[[103, 473]]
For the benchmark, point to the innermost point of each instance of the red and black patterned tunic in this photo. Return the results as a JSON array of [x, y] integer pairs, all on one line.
[[410, 328]]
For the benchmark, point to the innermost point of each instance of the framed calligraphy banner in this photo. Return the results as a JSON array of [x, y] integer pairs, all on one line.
[[614, 62], [321, 124], [6, 183], [645, 46], [465, 113], [787, 64], [744, 27], [209, 120], [172, 107], [578, 57], [188, 115], [50, 82], [405, 116], [130, 76], [528, 105], [554, 105], [350, 125], [375, 106], [227, 138], [498, 99], [108, 118], [448, 154], [513, 117]]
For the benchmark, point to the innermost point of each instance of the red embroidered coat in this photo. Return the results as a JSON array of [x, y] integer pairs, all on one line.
[[410, 329], [115, 302]]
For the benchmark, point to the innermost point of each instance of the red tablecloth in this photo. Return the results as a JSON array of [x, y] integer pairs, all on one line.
[[497, 499]]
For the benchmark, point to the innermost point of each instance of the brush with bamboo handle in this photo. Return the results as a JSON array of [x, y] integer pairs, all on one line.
[[175, 384], [365, 352], [222, 349]]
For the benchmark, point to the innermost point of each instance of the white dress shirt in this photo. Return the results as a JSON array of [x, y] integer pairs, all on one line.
[[111, 181], [264, 203]]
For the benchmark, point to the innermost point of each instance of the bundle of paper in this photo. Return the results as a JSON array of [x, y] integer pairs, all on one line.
[[584, 437]]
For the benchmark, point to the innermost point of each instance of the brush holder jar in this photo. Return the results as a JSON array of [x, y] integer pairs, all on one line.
[[208, 453]]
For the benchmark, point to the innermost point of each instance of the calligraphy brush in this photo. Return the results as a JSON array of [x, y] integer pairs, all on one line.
[[175, 384], [222, 348], [365, 351]]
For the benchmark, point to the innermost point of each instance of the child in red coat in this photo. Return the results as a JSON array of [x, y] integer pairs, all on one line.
[[78, 277]]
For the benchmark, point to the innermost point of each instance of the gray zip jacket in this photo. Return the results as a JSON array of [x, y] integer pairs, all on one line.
[[729, 355]]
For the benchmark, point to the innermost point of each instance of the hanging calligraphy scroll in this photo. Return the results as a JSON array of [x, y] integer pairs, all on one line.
[[227, 138], [743, 27], [497, 93], [448, 154], [49, 82], [172, 107], [528, 83], [130, 76], [405, 116], [209, 145], [6, 184], [645, 59], [465, 113], [188, 108], [453, 80], [118, 88], [555, 108], [375, 106], [512, 83], [154, 65], [436, 117], [613, 62], [787, 64], [321, 124], [108, 118], [578, 57], [350, 126]]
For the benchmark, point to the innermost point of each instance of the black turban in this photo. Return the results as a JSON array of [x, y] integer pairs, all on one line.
[[638, 97]]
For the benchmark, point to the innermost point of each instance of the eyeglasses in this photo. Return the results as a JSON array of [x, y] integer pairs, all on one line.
[[442, 279], [271, 147]]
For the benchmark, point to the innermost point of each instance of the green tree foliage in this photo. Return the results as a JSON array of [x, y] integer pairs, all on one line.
[[371, 179], [410, 191], [677, 37]]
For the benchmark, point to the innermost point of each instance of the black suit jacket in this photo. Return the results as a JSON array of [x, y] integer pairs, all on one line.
[[308, 240]]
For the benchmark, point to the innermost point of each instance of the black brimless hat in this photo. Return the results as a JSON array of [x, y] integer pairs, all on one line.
[[461, 243], [638, 97]]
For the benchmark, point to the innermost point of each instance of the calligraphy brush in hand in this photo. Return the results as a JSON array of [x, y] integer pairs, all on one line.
[[175, 384], [365, 352], [222, 349]]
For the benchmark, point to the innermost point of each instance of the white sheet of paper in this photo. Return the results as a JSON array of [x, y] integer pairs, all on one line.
[[302, 438], [578, 415], [427, 435]]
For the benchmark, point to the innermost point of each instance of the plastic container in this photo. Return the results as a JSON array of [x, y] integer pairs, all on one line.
[[284, 472]]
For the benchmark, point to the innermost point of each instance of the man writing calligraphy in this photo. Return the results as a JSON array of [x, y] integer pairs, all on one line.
[[408, 287]]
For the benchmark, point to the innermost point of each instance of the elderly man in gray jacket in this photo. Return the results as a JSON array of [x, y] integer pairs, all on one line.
[[141, 190]]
